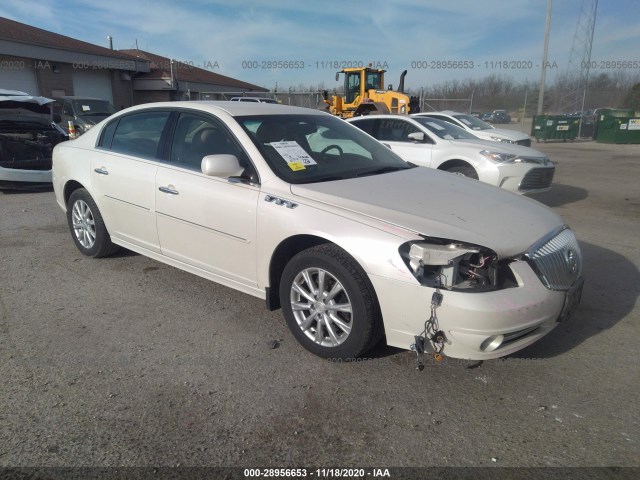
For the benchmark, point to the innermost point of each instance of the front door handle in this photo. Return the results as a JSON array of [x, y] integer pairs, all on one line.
[[101, 171], [168, 190]]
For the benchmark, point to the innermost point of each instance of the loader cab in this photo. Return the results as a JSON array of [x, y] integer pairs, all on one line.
[[358, 81]]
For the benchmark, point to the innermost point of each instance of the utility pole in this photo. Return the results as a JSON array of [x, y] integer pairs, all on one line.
[[543, 70]]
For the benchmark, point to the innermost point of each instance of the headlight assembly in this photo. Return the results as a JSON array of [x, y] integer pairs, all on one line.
[[500, 139], [456, 266], [498, 156]]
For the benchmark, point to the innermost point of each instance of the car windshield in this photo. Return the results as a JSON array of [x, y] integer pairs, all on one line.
[[473, 123], [444, 130], [317, 148], [93, 107]]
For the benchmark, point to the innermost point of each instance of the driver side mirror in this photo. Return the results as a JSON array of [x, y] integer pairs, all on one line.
[[416, 136], [223, 166]]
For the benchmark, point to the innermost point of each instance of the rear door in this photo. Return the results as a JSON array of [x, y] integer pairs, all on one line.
[[123, 174]]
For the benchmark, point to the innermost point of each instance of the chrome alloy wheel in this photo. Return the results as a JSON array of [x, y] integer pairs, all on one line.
[[84, 225], [321, 307]]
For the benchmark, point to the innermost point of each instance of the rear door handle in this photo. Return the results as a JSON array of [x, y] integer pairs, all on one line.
[[101, 171], [168, 190]]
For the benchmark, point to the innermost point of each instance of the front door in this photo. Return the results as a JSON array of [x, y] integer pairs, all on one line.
[[206, 222]]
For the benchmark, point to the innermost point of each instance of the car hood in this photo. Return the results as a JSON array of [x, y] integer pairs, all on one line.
[[439, 204], [512, 135], [12, 101], [500, 147]]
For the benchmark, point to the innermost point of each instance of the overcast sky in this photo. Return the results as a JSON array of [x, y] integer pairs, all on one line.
[[229, 36]]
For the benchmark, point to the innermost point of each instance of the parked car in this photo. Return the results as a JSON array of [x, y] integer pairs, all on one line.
[[83, 112], [254, 99], [27, 138], [430, 142], [300, 208], [499, 116], [480, 128], [485, 117]]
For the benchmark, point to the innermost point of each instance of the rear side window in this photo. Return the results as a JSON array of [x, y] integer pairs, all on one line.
[[137, 134]]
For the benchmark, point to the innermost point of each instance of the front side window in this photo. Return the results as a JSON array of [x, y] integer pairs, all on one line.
[[317, 148], [197, 136], [394, 130], [139, 134]]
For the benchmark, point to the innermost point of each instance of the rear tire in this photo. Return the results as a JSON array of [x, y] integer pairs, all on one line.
[[329, 303], [87, 228], [464, 170]]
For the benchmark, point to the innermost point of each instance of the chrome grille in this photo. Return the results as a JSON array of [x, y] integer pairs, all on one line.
[[557, 260], [537, 178]]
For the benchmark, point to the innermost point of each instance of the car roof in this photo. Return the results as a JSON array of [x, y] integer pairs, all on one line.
[[73, 97], [386, 115], [234, 109], [450, 113]]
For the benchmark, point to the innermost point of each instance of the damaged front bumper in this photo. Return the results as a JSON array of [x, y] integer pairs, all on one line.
[[477, 325]]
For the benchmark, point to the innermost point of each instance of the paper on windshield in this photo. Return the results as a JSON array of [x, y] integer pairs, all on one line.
[[86, 108], [293, 154], [435, 125]]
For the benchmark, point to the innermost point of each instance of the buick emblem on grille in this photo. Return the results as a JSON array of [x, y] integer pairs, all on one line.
[[571, 257]]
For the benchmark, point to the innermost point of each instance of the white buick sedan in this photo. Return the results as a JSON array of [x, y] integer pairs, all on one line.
[[430, 142], [300, 208]]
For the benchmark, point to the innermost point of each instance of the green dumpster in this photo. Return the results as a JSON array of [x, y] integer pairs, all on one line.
[[554, 127], [618, 126]]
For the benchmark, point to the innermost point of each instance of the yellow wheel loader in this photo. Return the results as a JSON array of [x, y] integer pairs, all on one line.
[[364, 94]]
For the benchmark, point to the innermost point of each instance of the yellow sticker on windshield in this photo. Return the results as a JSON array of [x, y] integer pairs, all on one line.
[[295, 166]]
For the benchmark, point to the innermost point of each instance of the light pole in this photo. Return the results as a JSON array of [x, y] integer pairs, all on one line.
[[543, 70]]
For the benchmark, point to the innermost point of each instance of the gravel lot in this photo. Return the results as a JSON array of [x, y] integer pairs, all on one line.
[[127, 362]]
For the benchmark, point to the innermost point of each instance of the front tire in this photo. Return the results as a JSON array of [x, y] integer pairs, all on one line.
[[329, 303], [87, 228]]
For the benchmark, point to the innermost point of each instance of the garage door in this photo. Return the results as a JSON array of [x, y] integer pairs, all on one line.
[[95, 84], [22, 79]]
